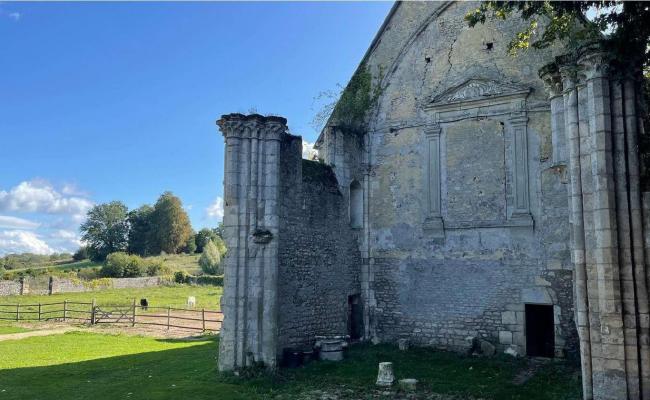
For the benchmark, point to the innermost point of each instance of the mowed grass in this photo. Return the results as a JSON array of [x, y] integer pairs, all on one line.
[[80, 365], [159, 296], [6, 329]]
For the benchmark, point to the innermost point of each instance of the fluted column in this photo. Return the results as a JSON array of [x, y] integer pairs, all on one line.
[[610, 372], [571, 129], [553, 84], [251, 225]]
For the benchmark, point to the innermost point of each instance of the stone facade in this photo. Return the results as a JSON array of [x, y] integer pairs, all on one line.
[[482, 190]]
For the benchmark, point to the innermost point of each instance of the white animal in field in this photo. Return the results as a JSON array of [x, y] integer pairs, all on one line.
[[191, 302]]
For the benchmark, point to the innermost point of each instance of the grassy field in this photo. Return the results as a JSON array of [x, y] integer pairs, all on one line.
[[186, 262], [159, 296], [81, 365], [5, 329]]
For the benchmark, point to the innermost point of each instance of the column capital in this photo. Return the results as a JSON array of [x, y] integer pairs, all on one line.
[[552, 80], [252, 126], [595, 65], [569, 76]]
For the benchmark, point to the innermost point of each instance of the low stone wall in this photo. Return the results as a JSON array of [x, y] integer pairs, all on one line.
[[65, 285], [10, 288], [124, 283]]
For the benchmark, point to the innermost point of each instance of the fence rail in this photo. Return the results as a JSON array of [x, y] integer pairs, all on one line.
[[92, 313]]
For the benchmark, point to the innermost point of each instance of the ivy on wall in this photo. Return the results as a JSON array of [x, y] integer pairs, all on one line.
[[357, 99]]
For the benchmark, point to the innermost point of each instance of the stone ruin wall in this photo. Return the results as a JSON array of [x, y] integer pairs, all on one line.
[[292, 260], [467, 269], [318, 253]]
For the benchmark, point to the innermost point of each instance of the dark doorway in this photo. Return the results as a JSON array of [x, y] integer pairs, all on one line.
[[540, 331], [355, 317]]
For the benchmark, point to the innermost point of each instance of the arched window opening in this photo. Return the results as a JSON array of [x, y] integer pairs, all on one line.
[[356, 205]]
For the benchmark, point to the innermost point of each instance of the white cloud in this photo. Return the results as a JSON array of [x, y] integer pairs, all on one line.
[[308, 151], [215, 210], [18, 241], [8, 222], [64, 240], [40, 196]]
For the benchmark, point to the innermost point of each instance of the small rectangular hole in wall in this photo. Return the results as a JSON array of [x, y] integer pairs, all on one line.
[[540, 330]]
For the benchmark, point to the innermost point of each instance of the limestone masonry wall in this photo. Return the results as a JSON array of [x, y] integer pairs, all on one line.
[[319, 259]]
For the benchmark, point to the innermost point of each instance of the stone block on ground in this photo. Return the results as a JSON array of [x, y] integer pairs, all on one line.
[[385, 375], [408, 385]]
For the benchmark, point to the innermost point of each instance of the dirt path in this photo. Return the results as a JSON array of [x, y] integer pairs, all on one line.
[[44, 332]]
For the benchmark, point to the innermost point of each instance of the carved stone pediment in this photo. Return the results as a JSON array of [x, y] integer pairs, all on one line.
[[477, 90]]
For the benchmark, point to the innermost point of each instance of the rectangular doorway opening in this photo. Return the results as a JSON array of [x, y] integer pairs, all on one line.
[[540, 330], [355, 317]]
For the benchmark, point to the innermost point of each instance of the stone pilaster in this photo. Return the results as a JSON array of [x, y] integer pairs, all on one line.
[[553, 83], [251, 224], [611, 296], [610, 372], [571, 129]]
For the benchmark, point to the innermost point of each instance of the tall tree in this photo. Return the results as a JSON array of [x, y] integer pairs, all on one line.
[[170, 223], [106, 230], [210, 260], [203, 237], [140, 221]]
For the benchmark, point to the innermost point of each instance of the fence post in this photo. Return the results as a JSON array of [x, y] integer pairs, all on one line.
[[133, 319], [168, 312], [17, 311], [92, 312], [65, 310], [39, 310], [203, 318]]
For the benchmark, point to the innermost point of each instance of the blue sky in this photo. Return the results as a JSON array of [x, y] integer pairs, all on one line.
[[118, 101]]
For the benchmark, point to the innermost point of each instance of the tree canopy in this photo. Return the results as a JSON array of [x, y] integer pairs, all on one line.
[[172, 225], [140, 222], [210, 260], [621, 26], [106, 230]]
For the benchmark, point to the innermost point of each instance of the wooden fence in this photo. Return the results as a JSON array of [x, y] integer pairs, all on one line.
[[92, 313]]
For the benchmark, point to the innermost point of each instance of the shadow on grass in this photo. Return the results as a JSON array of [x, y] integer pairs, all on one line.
[[190, 373]]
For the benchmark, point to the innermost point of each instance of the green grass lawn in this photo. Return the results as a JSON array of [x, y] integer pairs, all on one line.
[[6, 329], [80, 365], [159, 296]]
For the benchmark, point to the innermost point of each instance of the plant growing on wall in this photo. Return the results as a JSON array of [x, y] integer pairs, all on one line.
[[349, 108]]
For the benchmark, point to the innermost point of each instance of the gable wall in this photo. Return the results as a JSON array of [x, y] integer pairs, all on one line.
[[439, 287]]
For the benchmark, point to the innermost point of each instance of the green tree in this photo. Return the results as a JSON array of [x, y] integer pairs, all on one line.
[[140, 222], [220, 245], [203, 237], [622, 27], [170, 225], [190, 245], [81, 254], [210, 260], [106, 230]]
